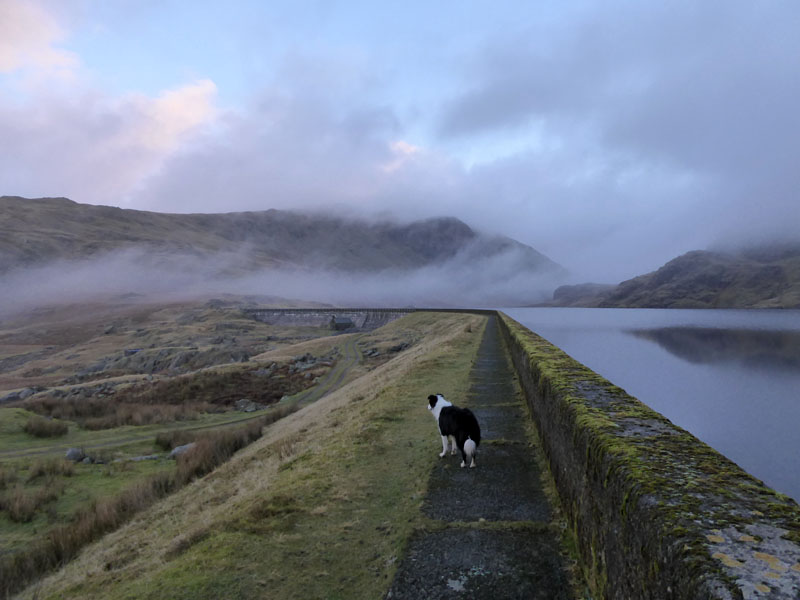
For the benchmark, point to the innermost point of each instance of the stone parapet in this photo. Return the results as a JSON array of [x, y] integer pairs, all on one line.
[[657, 514]]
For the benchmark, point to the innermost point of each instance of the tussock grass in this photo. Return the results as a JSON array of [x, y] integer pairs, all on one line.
[[21, 504], [171, 399], [45, 428], [102, 516], [8, 476], [311, 510], [50, 467], [102, 413]]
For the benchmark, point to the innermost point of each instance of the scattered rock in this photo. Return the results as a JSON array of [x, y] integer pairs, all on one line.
[[11, 397], [149, 456], [247, 405], [27, 392], [178, 450], [87, 460], [75, 454]]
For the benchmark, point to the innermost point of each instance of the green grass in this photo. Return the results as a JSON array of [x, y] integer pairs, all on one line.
[[88, 483], [337, 513], [14, 442]]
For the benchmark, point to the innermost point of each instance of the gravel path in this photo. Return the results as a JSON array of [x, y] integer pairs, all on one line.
[[492, 537]]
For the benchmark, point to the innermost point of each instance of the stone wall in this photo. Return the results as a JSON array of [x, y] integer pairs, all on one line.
[[656, 512], [364, 319]]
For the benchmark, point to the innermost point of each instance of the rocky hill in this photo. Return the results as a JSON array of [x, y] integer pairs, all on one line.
[[36, 231], [762, 277]]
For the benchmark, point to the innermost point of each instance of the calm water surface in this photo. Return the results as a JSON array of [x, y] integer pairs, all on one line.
[[731, 377]]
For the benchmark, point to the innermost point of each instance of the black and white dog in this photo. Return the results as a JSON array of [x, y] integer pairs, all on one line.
[[458, 426]]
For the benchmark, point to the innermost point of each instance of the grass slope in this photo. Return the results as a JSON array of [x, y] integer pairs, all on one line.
[[320, 507], [40, 230], [700, 279]]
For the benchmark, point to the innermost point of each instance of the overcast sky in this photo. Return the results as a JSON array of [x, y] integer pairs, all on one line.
[[612, 136]]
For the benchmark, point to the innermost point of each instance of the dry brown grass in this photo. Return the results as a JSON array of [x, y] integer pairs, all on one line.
[[63, 543], [8, 476], [50, 467], [45, 428], [236, 485], [171, 399], [22, 504]]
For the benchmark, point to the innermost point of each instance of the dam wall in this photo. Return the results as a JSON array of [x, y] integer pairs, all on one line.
[[362, 319], [657, 514]]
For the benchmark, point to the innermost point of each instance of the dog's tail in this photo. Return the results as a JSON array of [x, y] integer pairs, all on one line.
[[470, 448]]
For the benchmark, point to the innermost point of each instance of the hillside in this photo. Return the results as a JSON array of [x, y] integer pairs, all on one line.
[[36, 231], [321, 506], [764, 277]]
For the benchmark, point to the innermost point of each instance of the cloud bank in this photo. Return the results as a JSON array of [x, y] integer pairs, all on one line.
[[610, 137], [463, 281]]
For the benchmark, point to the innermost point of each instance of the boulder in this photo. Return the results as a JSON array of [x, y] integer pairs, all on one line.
[[178, 450], [247, 405], [75, 454]]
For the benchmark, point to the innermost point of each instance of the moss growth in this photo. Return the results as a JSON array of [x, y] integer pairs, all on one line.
[[654, 467]]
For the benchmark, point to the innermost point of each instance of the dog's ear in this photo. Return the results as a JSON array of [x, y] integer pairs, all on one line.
[[432, 400]]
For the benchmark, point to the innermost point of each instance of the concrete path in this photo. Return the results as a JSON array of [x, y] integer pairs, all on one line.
[[492, 536]]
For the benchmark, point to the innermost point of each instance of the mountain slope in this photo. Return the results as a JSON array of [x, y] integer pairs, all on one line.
[[35, 231], [765, 277]]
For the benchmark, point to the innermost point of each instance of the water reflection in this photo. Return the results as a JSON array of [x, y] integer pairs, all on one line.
[[757, 349], [732, 378]]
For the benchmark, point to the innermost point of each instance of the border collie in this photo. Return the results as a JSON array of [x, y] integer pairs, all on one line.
[[458, 426]]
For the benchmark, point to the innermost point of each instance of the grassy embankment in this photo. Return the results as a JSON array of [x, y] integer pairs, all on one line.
[[320, 506], [50, 507]]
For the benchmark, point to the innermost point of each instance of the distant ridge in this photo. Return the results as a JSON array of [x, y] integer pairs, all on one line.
[[759, 277], [37, 231]]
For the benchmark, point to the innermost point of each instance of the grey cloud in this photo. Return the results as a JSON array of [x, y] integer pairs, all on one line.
[[663, 128]]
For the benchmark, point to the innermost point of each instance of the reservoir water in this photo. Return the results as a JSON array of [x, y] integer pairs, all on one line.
[[730, 377]]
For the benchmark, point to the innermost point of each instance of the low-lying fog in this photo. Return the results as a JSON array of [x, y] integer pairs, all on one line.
[[463, 281]]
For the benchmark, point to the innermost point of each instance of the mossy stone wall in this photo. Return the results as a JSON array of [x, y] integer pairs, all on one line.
[[656, 512]]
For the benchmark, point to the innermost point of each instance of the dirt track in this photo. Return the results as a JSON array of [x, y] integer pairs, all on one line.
[[493, 537]]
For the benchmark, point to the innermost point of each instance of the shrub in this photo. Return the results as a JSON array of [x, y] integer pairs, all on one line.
[[7, 476], [51, 467], [167, 440], [20, 505], [45, 428]]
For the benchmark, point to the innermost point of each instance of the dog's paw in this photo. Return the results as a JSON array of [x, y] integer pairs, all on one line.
[[442, 454], [463, 464], [473, 465], [453, 452]]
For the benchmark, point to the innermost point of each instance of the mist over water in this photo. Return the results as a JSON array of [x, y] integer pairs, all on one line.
[[463, 281], [730, 377]]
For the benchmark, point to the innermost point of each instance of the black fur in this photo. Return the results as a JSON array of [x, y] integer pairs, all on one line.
[[461, 424]]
